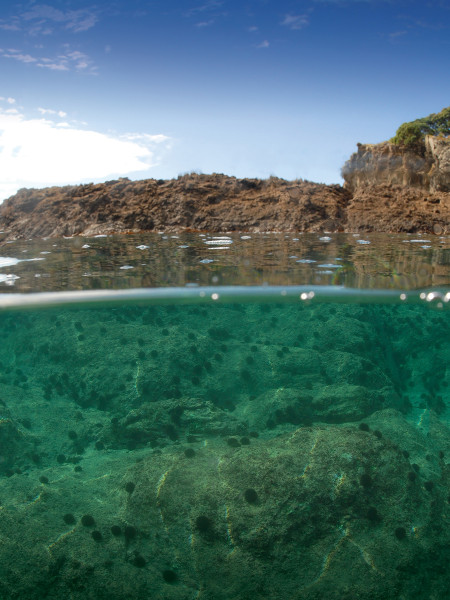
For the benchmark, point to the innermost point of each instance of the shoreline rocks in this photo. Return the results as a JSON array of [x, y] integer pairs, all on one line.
[[388, 189]]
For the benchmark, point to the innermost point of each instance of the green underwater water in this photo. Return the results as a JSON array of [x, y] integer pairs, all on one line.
[[219, 450]]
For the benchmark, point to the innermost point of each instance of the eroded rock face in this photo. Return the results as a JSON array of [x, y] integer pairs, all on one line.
[[191, 202], [386, 190], [386, 163], [439, 149]]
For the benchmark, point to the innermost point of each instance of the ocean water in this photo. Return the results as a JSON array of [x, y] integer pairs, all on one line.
[[253, 418]]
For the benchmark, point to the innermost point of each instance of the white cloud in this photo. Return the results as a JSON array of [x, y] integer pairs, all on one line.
[[17, 55], [42, 19], [205, 23], [39, 153], [264, 44], [49, 111], [206, 14], [206, 6], [9, 26], [397, 34], [147, 138], [66, 61], [295, 21]]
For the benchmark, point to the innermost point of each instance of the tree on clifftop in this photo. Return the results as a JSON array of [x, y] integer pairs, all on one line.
[[413, 134]]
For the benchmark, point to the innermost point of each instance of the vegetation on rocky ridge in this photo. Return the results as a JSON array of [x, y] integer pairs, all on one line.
[[412, 133]]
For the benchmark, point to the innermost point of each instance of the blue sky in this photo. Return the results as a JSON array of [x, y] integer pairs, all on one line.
[[91, 91]]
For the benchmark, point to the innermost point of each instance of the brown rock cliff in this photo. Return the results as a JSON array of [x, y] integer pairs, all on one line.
[[388, 163], [385, 191], [191, 202]]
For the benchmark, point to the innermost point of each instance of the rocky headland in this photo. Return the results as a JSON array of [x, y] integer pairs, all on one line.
[[388, 188]]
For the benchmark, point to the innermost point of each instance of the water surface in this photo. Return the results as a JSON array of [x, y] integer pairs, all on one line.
[[268, 438], [381, 261]]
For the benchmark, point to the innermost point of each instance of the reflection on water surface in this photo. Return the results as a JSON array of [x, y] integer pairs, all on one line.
[[154, 260]]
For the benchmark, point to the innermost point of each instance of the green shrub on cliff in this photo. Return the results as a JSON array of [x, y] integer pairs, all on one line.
[[413, 134]]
